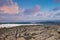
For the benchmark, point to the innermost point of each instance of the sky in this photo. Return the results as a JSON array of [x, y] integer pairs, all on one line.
[[29, 10]]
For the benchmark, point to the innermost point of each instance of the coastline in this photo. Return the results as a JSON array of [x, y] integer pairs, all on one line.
[[31, 32], [12, 25]]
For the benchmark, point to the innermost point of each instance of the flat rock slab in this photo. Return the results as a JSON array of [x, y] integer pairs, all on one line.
[[31, 32]]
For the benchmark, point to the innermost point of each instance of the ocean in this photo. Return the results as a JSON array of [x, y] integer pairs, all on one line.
[[47, 22], [12, 24]]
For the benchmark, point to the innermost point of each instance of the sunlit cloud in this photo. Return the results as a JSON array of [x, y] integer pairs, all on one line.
[[36, 11], [12, 11], [10, 8]]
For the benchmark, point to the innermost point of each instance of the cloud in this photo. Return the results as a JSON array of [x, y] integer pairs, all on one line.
[[56, 0], [36, 11], [13, 8], [57, 15], [42, 14], [56, 9], [55, 12], [22, 11], [6, 2], [10, 7], [38, 14], [32, 11], [36, 8], [12, 18]]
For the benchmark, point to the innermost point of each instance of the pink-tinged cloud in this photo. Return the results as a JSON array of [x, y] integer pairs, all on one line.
[[10, 2], [11, 8], [33, 10], [36, 8]]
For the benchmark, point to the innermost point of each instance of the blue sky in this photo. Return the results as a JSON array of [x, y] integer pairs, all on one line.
[[28, 10], [45, 4]]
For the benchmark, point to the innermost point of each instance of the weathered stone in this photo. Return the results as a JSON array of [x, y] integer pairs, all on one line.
[[20, 38], [31, 32]]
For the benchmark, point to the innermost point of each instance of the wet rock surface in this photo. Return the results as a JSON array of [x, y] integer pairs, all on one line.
[[31, 32]]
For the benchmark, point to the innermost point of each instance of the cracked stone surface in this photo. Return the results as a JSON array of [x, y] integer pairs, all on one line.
[[31, 32]]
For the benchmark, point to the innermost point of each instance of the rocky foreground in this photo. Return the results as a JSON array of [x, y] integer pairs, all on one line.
[[31, 32]]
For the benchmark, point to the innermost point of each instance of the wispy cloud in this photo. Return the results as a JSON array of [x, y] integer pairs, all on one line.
[[10, 7], [56, 9], [36, 11], [11, 11]]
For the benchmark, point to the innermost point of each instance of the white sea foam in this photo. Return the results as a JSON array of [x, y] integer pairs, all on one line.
[[12, 25]]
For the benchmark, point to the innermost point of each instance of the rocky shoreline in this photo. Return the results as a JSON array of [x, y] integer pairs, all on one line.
[[31, 32]]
